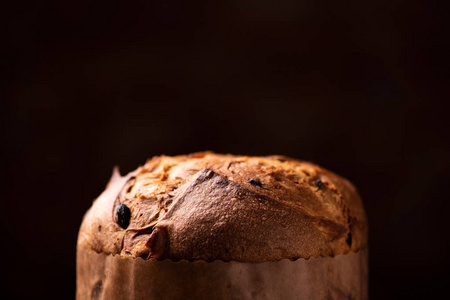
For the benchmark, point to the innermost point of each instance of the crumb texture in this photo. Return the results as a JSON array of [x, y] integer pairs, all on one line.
[[208, 206]]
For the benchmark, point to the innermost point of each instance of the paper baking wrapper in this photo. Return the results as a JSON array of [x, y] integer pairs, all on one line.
[[101, 276]]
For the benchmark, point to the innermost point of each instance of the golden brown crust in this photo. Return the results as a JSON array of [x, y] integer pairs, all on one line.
[[207, 206]]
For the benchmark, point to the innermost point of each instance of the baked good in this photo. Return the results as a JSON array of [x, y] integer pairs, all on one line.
[[207, 206]]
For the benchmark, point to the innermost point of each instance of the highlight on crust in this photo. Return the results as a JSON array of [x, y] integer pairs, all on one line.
[[207, 206]]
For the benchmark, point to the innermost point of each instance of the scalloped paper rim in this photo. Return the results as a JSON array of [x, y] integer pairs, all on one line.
[[102, 276]]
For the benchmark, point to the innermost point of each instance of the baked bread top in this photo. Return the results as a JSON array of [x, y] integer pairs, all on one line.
[[207, 206]]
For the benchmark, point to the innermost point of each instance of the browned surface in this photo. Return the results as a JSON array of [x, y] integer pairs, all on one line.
[[205, 206]]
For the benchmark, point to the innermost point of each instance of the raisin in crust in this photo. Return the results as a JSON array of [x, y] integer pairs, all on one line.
[[207, 206]]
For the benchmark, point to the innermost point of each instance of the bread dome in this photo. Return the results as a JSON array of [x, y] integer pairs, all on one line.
[[207, 206]]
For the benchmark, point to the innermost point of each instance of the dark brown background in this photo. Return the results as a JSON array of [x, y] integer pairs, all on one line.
[[355, 86]]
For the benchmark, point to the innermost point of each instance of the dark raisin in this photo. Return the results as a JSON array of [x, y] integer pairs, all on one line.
[[123, 215], [319, 184], [96, 290], [207, 173], [349, 239], [255, 182]]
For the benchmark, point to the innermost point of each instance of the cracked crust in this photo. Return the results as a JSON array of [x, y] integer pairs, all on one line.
[[207, 206]]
